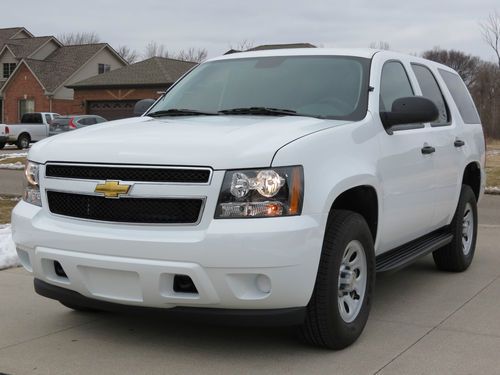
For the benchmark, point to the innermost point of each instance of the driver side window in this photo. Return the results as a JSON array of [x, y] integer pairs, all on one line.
[[394, 84]]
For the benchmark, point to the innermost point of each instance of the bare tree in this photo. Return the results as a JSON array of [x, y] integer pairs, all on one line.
[[75, 38], [243, 45], [380, 45], [465, 65], [127, 54], [192, 54], [153, 49], [486, 94], [491, 33]]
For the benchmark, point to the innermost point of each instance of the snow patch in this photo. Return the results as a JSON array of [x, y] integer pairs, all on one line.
[[492, 190], [8, 254], [16, 165], [10, 155]]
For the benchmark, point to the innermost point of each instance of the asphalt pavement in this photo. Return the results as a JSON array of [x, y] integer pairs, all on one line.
[[423, 321]]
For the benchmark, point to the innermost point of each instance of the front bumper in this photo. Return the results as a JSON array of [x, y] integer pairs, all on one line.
[[234, 264], [271, 317]]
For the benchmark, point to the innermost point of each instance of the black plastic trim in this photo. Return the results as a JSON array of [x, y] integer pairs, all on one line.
[[405, 254], [268, 317]]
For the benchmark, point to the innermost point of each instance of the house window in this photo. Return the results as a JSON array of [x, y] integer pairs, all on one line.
[[26, 106], [8, 68], [103, 68]]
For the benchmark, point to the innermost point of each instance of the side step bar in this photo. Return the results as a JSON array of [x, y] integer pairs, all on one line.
[[409, 252]]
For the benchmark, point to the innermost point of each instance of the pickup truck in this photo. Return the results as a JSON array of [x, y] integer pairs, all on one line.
[[267, 186], [33, 127]]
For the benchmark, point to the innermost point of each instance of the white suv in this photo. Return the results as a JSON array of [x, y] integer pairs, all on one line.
[[268, 186]]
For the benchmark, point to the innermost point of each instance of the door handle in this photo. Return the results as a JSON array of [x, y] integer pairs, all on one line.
[[426, 150], [459, 143]]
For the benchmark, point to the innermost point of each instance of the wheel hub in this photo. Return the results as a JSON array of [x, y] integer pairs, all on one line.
[[467, 229], [347, 280], [352, 281]]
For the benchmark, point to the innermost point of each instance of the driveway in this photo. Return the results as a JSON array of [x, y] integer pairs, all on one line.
[[423, 322]]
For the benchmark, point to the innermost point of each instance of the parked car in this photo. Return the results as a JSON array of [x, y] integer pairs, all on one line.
[[4, 135], [33, 127], [263, 186], [66, 123]]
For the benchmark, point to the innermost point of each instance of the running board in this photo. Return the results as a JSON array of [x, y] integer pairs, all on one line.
[[409, 252]]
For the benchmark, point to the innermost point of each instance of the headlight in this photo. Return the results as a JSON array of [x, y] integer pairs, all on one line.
[[32, 189], [261, 193]]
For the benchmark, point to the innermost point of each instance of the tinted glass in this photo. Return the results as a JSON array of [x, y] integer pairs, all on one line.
[[461, 97], [394, 84], [87, 121], [319, 86], [60, 121], [32, 118], [431, 90]]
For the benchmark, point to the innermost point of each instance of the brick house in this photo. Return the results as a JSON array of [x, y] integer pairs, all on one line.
[[36, 71], [113, 95]]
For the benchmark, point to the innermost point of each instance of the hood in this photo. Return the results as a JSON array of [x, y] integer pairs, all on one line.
[[220, 142]]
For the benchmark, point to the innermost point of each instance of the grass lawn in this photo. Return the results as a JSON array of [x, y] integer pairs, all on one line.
[[6, 206], [493, 163]]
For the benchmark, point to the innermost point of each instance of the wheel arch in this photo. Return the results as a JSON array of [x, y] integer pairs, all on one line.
[[24, 132], [472, 177], [362, 199]]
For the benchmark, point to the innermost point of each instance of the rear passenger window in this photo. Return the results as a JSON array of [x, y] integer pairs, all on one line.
[[431, 90], [394, 84], [461, 97]]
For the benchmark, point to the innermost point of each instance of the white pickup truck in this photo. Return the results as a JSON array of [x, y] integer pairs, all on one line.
[[267, 186], [33, 127]]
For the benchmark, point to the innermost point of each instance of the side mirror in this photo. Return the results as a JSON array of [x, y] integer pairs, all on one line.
[[410, 110], [142, 106]]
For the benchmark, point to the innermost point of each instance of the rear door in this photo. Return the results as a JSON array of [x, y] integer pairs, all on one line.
[[407, 175], [445, 138]]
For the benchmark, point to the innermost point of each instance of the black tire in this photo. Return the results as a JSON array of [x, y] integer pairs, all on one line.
[[324, 325], [23, 141], [2, 145], [452, 257], [77, 307]]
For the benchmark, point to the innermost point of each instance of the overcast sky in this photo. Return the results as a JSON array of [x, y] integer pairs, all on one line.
[[411, 26]]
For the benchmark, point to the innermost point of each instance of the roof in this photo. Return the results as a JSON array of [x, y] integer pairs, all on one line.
[[156, 71], [281, 46], [265, 47], [23, 47], [6, 34], [356, 52], [62, 63]]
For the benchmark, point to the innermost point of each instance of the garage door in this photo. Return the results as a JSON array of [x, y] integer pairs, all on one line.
[[111, 109]]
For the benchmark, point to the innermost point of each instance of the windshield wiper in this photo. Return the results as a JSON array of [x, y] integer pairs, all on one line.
[[180, 112], [260, 111]]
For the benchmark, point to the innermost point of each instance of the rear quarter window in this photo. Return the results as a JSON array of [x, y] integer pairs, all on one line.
[[461, 97], [32, 118]]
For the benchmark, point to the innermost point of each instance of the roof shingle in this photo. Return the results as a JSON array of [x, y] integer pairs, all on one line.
[[62, 63], [156, 71], [6, 34], [23, 47]]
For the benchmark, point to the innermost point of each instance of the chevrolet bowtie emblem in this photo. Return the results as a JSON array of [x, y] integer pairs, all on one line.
[[112, 189]]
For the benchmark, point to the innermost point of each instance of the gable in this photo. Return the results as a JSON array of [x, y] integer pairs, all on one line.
[[24, 81], [90, 69], [45, 50]]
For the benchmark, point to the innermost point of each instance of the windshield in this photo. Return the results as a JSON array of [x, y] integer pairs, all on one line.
[[333, 87]]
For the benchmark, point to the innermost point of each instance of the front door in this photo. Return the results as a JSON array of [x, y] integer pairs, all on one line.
[[406, 174]]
